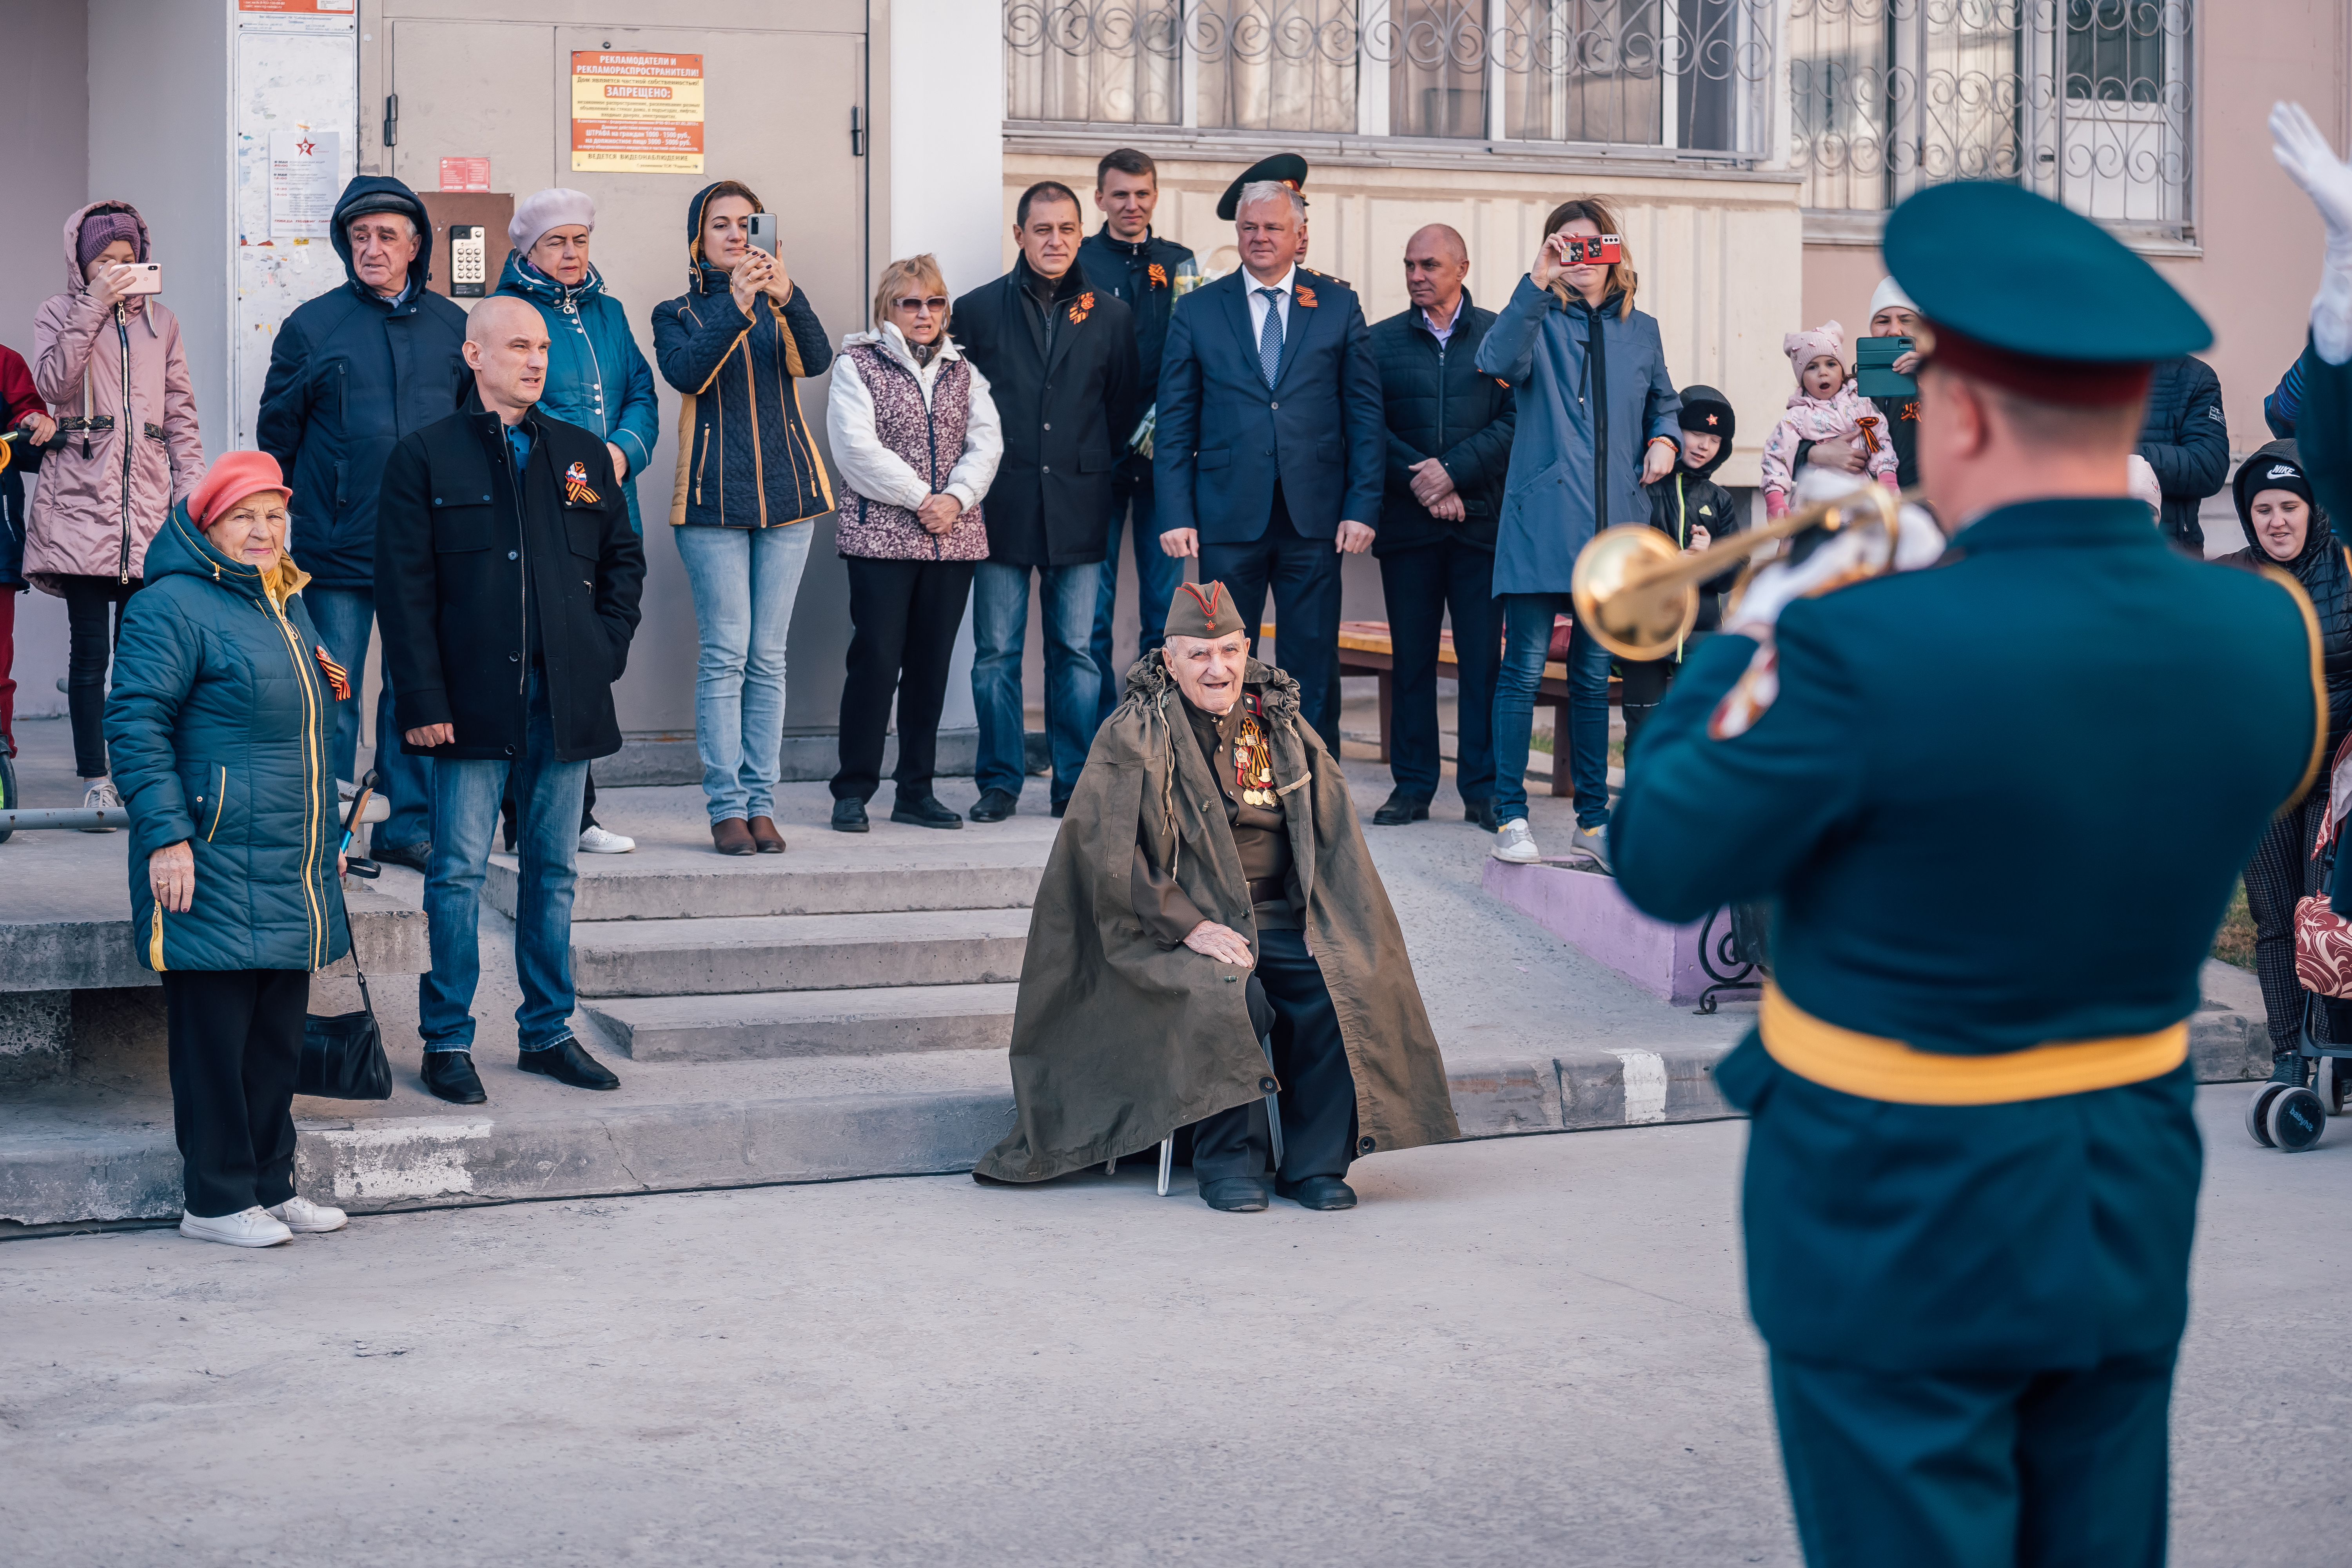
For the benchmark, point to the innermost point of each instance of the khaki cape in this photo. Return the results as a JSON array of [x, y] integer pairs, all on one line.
[[1116, 1041]]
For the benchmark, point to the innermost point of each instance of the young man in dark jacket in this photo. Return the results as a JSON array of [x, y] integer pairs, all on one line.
[[1060, 358], [2185, 439], [1126, 260], [1449, 443], [1688, 507], [507, 574], [350, 373]]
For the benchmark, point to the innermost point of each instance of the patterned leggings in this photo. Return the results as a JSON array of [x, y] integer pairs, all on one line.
[[2281, 872]]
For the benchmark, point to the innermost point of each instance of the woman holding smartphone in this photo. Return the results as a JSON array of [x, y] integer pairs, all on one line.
[[107, 359], [749, 483]]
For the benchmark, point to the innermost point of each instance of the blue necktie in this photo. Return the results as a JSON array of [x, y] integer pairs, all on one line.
[[1270, 339]]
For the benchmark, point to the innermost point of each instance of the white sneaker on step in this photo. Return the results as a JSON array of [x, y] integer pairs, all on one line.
[[596, 841], [249, 1228], [305, 1217], [101, 796], [1514, 843]]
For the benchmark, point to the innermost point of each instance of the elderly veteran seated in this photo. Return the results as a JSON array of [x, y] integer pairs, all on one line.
[[1210, 852]]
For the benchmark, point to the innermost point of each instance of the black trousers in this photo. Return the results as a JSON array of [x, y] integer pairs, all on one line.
[[235, 1039], [2281, 873], [1319, 1089], [1419, 585], [1304, 574], [903, 616], [89, 648]]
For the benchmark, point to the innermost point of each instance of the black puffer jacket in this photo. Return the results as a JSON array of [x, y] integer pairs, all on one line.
[[1689, 497], [2185, 439], [2322, 569], [1440, 405]]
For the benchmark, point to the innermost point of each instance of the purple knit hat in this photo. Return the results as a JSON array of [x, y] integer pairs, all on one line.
[[99, 230]]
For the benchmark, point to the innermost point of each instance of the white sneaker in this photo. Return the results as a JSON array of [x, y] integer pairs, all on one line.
[[253, 1227], [1514, 843], [102, 796], [596, 841], [305, 1217], [1592, 843]]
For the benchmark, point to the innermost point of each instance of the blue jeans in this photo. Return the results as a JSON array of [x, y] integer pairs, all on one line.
[[466, 794], [744, 581], [1526, 633], [344, 618], [1000, 627], [1157, 572]]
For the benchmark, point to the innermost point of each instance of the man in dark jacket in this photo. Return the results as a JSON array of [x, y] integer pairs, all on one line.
[[1126, 260], [507, 574], [1060, 358], [350, 373], [1449, 442], [2186, 441]]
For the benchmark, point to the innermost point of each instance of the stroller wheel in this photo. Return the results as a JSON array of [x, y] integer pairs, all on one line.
[[2334, 1078], [2296, 1119], [2257, 1110]]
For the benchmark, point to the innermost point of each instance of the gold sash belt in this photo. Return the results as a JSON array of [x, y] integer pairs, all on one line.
[[1877, 1068]]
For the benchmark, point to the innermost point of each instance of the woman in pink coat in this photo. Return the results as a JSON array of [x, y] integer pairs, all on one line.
[[110, 367]]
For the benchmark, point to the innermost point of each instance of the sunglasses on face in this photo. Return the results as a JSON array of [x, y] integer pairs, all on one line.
[[935, 303]]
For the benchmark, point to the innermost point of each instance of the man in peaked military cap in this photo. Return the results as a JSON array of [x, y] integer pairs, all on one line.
[[1210, 884], [1972, 1173]]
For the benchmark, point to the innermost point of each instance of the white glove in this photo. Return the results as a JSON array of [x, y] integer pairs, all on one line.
[[2139, 478], [1854, 552], [2302, 152]]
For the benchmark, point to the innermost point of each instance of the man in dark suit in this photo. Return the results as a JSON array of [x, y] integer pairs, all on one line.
[[1270, 450], [1060, 358]]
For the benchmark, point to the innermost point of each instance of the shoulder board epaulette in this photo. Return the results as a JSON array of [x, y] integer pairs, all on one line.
[[1342, 282]]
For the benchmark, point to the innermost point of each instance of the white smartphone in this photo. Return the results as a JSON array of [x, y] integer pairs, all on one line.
[[763, 232], [147, 278]]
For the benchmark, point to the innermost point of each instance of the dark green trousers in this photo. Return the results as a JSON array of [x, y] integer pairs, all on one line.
[[1977, 1469]]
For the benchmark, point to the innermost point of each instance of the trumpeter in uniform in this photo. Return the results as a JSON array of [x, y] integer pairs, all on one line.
[[1972, 1170]]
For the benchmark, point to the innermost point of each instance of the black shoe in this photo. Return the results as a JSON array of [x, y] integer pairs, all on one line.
[[565, 1062], [925, 813], [1481, 812], [1061, 805], [1233, 1195], [849, 815], [416, 857], [996, 805], [1401, 808], [1318, 1193], [450, 1076]]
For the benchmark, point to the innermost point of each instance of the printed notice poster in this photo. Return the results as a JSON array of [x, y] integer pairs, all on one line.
[[298, 7], [303, 183], [465, 173], [636, 113]]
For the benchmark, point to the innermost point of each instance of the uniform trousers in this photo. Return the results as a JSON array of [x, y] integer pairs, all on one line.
[[234, 1040], [1310, 1062], [903, 620], [2052, 1470], [1304, 574]]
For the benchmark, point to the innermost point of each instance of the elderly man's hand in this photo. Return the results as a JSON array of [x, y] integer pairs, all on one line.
[[1354, 539], [1448, 508], [1180, 542], [172, 876], [1223, 943], [431, 735]]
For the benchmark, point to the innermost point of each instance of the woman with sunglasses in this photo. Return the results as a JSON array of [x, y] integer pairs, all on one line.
[[916, 437]]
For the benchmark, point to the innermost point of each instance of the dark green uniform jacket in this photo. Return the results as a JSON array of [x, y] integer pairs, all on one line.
[[1119, 1041], [1998, 803]]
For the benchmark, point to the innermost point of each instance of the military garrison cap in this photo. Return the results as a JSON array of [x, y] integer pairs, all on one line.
[[1283, 168], [1204, 610], [2029, 295]]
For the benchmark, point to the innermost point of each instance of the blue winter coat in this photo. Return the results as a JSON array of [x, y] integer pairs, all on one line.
[[218, 725], [350, 373], [596, 378], [1584, 419]]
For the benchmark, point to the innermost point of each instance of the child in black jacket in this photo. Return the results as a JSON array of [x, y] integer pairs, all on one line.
[[1688, 507]]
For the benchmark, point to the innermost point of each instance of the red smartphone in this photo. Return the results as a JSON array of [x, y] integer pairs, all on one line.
[[1591, 249]]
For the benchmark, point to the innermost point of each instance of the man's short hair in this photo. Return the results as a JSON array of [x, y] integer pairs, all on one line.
[[1043, 191], [1126, 160], [1270, 191]]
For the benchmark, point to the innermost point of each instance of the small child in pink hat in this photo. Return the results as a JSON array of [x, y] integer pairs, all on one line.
[[1824, 407]]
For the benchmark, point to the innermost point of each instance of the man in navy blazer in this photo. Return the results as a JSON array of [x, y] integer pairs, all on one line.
[[1269, 450]]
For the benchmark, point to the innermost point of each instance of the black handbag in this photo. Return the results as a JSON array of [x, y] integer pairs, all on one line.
[[342, 1057]]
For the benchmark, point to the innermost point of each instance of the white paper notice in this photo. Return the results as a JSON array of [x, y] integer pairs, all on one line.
[[303, 183]]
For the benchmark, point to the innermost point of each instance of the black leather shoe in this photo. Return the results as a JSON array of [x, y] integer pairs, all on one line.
[[1481, 812], [416, 857], [1233, 1195], [565, 1062], [1318, 1193], [849, 815], [450, 1076], [925, 813], [1060, 806], [994, 806], [1401, 808]]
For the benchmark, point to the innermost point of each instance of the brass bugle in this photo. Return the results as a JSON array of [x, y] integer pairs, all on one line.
[[1637, 593]]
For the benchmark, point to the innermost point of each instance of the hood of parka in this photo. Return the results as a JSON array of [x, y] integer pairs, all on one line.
[[371, 189]]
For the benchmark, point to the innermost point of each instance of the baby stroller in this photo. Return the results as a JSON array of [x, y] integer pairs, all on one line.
[[2292, 1116]]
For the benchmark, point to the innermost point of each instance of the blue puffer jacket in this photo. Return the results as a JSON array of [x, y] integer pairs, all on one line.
[[596, 378], [350, 373], [218, 725]]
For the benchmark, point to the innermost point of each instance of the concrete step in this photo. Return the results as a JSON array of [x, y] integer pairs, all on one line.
[[798, 953], [667, 882], [863, 1022]]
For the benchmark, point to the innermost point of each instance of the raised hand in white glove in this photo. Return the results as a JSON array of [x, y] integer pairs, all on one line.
[[2139, 478], [1860, 549], [2302, 149]]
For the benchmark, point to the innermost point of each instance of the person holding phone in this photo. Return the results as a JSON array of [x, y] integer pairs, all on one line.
[[748, 477], [108, 360], [1892, 315]]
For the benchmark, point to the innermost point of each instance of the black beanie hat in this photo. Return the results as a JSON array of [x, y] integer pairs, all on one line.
[[1708, 412], [2277, 467]]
